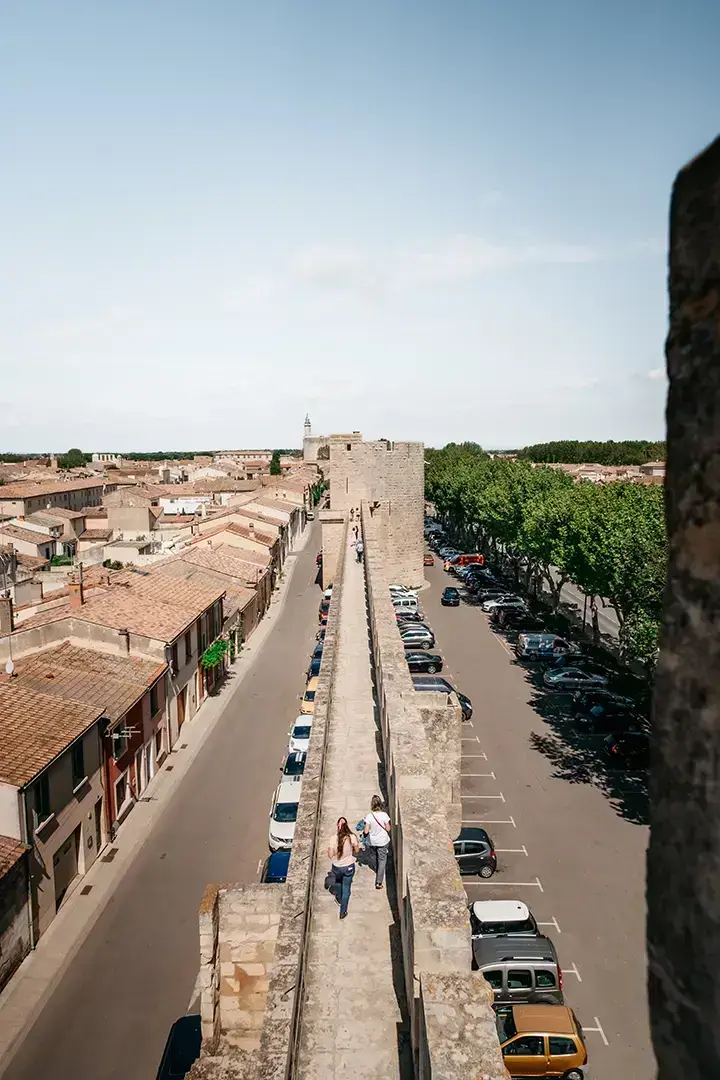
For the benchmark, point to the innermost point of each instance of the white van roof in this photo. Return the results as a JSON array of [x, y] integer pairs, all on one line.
[[500, 911]]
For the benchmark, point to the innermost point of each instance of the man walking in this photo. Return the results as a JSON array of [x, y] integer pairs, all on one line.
[[377, 830]]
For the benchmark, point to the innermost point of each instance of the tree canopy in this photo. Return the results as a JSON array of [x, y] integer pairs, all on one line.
[[275, 469], [572, 452], [609, 539], [74, 459]]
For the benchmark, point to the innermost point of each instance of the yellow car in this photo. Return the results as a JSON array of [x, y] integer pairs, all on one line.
[[308, 701], [541, 1040]]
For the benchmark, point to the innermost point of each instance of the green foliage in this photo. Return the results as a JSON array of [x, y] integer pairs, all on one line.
[[74, 459], [113, 564], [608, 539], [275, 469], [214, 653], [572, 452], [61, 560], [14, 459]]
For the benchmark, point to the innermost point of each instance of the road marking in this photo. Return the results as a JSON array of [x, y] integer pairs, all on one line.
[[489, 821], [512, 850], [470, 738], [511, 884], [259, 866], [551, 922], [572, 971], [503, 644], [469, 723], [195, 994], [500, 796], [483, 756], [467, 775], [598, 1028]]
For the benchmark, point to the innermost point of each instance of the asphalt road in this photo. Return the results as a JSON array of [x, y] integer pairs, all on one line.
[[110, 1014], [570, 832]]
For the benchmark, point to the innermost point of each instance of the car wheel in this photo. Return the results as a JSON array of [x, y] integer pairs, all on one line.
[[486, 871], [431, 669], [573, 1074]]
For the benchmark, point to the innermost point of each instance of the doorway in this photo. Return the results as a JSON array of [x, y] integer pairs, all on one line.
[[98, 824], [65, 865], [181, 699]]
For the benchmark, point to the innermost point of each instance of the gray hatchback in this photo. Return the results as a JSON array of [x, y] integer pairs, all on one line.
[[520, 970]]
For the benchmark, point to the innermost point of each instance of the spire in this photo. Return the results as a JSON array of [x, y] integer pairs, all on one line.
[[308, 428]]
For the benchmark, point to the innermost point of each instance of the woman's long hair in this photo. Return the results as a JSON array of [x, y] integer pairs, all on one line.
[[343, 833]]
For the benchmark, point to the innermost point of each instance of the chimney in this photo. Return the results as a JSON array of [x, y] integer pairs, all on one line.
[[7, 623], [251, 526], [75, 588]]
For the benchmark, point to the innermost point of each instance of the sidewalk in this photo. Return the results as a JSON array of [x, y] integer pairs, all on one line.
[[351, 1022], [24, 997]]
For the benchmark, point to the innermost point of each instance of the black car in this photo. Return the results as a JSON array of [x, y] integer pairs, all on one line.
[[450, 598], [295, 763], [602, 703], [577, 660], [428, 682], [314, 667], [181, 1049], [424, 662], [519, 622], [475, 853], [276, 866], [628, 749]]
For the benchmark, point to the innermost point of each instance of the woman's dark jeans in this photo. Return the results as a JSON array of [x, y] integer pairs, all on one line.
[[343, 881]]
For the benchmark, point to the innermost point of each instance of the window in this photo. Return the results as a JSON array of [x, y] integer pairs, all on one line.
[[519, 980], [174, 658], [527, 1045], [77, 754], [122, 793], [188, 645], [545, 980], [559, 1046], [41, 801], [494, 978], [159, 743], [153, 699], [348, 446], [119, 743]]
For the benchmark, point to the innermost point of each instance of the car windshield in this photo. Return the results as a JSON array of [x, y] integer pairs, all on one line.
[[295, 765], [309, 695], [517, 926], [286, 811], [301, 732], [506, 1029]]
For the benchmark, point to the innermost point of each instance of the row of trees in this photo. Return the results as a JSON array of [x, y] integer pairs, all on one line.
[[609, 540], [572, 452]]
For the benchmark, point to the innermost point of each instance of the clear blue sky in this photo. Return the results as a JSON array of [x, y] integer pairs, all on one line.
[[421, 219]]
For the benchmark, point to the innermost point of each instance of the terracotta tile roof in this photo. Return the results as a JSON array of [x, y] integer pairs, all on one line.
[[10, 851], [225, 559], [27, 536], [31, 562], [35, 728], [26, 489], [176, 519], [251, 534], [112, 683], [91, 512], [63, 512], [257, 515], [237, 596], [95, 534]]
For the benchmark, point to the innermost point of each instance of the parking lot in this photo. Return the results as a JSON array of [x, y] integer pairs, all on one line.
[[570, 834]]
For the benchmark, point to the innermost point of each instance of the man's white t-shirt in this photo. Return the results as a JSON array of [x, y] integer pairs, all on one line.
[[378, 835]]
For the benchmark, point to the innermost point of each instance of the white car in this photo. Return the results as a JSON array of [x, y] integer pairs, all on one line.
[[283, 814], [506, 601], [300, 735], [400, 590], [500, 918], [327, 595]]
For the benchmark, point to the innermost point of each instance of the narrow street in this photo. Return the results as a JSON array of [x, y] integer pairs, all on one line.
[[110, 1014]]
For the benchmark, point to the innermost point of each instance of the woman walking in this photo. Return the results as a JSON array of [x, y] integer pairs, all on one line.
[[342, 855], [377, 830]]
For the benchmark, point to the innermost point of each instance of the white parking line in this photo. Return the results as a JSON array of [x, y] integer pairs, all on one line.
[[259, 866], [487, 775], [489, 821], [500, 796], [469, 738], [572, 971], [551, 922], [512, 850], [598, 1028], [483, 756], [504, 645], [511, 884]]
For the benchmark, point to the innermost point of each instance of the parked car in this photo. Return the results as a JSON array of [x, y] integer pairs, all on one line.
[[519, 968], [516, 621], [308, 701], [181, 1049], [428, 559], [409, 616], [275, 869], [541, 646], [506, 600], [541, 1040], [314, 667], [404, 604], [320, 636], [300, 734], [577, 660], [294, 764], [419, 638], [450, 598], [573, 679], [403, 589], [498, 918], [475, 852], [318, 650], [283, 814], [436, 683], [489, 592], [629, 749], [424, 661], [597, 703]]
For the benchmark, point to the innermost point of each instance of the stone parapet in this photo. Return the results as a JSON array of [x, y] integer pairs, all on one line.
[[421, 741]]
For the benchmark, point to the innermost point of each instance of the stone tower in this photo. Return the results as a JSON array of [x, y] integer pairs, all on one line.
[[308, 427]]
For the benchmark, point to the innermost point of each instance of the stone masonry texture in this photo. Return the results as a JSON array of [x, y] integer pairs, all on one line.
[[683, 882]]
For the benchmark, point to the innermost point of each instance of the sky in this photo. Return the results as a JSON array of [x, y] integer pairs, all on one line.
[[422, 219]]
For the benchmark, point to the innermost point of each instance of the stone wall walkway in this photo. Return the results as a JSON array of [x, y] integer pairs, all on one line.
[[351, 1023]]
